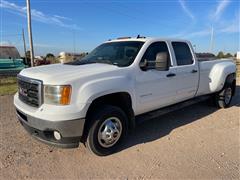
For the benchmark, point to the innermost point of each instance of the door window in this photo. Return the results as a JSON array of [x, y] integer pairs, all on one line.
[[152, 50], [182, 53]]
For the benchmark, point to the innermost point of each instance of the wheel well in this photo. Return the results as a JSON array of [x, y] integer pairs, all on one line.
[[234, 86], [231, 80], [121, 100]]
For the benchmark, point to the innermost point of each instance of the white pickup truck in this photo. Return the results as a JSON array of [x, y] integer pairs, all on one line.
[[98, 99]]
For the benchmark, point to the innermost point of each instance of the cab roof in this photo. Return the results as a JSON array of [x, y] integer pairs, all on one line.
[[144, 39]]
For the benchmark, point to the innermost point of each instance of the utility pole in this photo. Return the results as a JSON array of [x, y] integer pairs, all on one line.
[[24, 45], [30, 32]]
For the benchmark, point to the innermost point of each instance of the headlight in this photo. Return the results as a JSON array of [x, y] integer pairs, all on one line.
[[58, 95]]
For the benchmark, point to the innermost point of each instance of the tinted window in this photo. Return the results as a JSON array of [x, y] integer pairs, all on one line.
[[153, 49], [182, 53]]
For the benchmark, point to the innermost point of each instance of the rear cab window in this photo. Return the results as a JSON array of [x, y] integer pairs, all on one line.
[[183, 53]]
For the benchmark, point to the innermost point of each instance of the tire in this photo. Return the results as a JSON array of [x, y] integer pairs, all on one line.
[[107, 130], [223, 98]]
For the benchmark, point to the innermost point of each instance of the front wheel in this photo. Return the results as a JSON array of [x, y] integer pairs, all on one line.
[[224, 98], [109, 126]]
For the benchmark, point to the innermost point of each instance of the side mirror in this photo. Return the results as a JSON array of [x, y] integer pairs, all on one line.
[[161, 62]]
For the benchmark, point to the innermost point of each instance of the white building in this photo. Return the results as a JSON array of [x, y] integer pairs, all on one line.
[[238, 55], [65, 57]]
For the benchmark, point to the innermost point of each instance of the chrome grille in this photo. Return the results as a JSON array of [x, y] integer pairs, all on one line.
[[30, 91]]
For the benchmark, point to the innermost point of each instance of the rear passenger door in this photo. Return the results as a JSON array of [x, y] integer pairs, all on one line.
[[186, 70]]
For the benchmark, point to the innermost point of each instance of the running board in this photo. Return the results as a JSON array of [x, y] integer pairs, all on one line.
[[168, 109]]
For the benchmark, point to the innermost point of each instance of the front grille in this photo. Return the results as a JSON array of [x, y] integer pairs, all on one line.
[[30, 91]]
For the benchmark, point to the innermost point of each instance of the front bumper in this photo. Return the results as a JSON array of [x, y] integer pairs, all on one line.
[[70, 130]]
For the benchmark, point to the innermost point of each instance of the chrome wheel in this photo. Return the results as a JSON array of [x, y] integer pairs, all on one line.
[[228, 95], [109, 132]]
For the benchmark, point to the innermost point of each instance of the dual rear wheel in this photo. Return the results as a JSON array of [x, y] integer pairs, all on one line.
[[223, 98]]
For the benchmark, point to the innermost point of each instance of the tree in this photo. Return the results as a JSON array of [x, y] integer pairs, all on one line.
[[50, 55], [50, 58], [220, 55], [205, 55], [228, 55], [28, 56], [27, 59]]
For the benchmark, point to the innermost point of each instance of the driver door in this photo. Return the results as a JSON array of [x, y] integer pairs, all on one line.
[[155, 88]]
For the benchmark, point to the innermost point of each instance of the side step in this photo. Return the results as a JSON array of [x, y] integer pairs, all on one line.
[[168, 109]]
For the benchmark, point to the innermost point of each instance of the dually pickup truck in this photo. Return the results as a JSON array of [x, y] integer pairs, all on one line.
[[98, 99]]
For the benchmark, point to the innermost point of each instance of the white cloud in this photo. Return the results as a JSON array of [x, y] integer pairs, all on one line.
[[43, 45], [231, 26], [220, 9], [38, 15], [185, 9], [5, 43], [15, 43], [201, 33], [62, 17], [193, 34]]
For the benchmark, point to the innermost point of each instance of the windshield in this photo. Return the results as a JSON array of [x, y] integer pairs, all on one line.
[[121, 54]]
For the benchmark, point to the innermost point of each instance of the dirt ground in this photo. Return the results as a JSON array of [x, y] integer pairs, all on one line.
[[199, 141]]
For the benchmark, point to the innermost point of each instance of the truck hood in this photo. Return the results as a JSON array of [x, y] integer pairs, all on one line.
[[64, 73]]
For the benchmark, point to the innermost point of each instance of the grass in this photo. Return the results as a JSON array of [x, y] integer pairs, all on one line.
[[238, 73], [8, 85]]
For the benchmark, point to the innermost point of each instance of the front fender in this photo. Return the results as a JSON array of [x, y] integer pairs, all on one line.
[[219, 73], [96, 88]]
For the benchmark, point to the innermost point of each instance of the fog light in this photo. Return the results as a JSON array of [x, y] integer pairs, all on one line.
[[57, 135]]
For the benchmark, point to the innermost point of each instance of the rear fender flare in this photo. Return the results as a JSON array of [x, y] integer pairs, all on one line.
[[220, 74]]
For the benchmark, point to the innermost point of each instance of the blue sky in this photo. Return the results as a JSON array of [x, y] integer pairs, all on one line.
[[75, 25]]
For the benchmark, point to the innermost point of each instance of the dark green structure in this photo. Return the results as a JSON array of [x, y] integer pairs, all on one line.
[[10, 60]]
